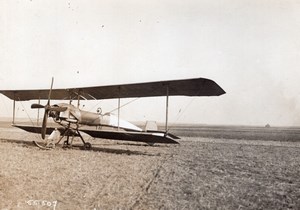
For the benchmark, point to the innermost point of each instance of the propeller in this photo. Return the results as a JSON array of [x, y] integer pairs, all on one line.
[[46, 113], [37, 106], [50, 108], [47, 108]]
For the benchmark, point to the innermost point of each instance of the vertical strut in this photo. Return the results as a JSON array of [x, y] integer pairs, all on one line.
[[119, 102], [167, 109], [14, 111], [38, 114], [78, 99], [119, 113], [70, 99]]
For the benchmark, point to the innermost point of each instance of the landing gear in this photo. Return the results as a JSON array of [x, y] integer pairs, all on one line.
[[68, 144], [74, 132], [68, 132], [87, 146], [41, 146]]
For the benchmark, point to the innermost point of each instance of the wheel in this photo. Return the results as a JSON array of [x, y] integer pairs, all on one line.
[[66, 145], [87, 146], [51, 145], [41, 146]]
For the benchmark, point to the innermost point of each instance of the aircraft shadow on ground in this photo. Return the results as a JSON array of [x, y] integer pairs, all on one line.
[[142, 145], [25, 143], [94, 148], [116, 151]]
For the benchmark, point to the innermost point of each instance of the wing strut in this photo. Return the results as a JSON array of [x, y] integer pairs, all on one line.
[[78, 99], [119, 102], [167, 109], [14, 111], [38, 114]]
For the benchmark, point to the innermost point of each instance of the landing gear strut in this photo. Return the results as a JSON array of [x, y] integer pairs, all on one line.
[[68, 131], [87, 146], [73, 132]]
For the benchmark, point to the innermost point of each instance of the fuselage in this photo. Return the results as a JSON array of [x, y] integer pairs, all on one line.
[[75, 115]]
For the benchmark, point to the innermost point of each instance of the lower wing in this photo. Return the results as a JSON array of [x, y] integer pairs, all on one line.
[[148, 137]]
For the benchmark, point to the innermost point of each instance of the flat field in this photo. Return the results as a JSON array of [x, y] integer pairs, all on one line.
[[210, 172]]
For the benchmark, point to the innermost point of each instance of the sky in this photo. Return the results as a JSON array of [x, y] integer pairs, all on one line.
[[251, 48]]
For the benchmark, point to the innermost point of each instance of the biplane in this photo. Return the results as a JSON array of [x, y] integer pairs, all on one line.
[[72, 121]]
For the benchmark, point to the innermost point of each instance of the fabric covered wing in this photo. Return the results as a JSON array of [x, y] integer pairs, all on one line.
[[132, 136], [38, 129], [34, 129], [112, 135], [185, 87]]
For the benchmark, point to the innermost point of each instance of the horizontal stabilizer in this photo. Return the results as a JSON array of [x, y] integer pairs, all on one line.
[[163, 133]]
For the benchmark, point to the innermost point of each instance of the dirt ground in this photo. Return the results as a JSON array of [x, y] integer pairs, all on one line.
[[200, 173]]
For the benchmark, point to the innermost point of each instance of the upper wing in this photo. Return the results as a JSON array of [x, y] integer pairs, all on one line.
[[185, 87]]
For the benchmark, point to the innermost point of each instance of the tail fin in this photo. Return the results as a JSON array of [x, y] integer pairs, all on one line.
[[151, 126]]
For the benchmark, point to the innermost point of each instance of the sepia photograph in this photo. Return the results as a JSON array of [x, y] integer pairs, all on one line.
[[109, 104]]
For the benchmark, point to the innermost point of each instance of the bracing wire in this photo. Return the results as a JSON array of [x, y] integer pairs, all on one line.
[[28, 116], [182, 111], [5, 105], [26, 113], [94, 106], [124, 105], [114, 108]]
